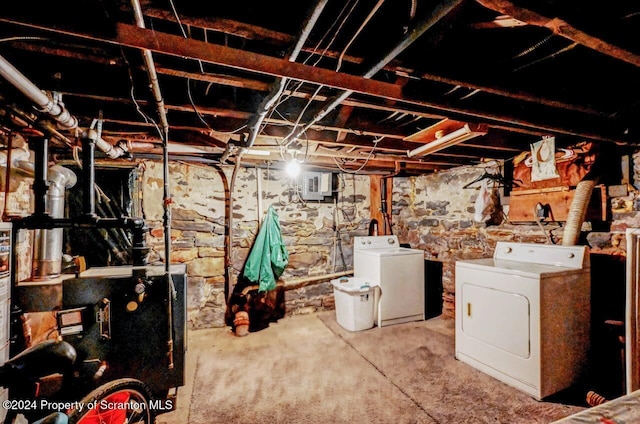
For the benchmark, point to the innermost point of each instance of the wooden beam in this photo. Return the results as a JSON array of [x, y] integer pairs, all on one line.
[[375, 199], [132, 36], [561, 28]]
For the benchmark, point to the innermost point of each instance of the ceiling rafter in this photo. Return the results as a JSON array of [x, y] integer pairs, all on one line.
[[132, 36]]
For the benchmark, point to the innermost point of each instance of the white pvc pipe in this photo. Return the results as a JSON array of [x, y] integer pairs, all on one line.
[[44, 103]]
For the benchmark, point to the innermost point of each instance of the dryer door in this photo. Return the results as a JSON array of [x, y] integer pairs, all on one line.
[[497, 318]]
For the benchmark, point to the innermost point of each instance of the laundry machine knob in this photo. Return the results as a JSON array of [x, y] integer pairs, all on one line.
[[508, 250], [390, 240], [571, 255]]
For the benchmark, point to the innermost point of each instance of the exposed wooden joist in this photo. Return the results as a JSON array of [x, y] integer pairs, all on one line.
[[235, 114], [253, 84], [132, 36], [256, 32], [561, 28], [225, 26]]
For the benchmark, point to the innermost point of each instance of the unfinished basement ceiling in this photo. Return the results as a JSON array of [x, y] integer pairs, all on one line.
[[344, 84]]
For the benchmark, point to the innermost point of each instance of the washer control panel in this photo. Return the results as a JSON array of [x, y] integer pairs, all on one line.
[[375, 242]]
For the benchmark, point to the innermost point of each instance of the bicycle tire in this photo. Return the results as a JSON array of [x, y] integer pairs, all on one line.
[[116, 402]]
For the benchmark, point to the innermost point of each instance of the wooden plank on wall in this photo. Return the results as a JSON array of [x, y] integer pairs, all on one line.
[[375, 182], [522, 204]]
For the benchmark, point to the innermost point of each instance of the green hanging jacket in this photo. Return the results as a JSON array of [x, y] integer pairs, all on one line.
[[269, 255]]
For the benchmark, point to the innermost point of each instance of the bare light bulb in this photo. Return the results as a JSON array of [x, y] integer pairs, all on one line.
[[293, 168]]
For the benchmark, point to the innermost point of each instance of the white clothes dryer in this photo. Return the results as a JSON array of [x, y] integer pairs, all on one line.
[[523, 316], [398, 273]]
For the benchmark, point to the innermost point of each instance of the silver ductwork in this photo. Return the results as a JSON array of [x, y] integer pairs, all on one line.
[[47, 249]]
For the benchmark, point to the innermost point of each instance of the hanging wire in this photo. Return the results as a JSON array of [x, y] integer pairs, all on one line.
[[193, 105], [550, 56], [304, 109], [457, 87], [473, 93], [294, 86], [4, 40], [375, 144], [147, 118], [534, 47], [357, 33], [175, 13]]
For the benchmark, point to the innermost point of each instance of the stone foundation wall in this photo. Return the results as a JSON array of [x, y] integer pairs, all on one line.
[[432, 212], [198, 232], [435, 213]]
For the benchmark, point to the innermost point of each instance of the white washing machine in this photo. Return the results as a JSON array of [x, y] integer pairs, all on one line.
[[523, 316], [399, 274]]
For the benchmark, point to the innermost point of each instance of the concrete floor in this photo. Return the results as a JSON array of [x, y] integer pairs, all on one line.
[[308, 369]]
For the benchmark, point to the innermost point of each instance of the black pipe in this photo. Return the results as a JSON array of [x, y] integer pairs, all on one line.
[[89, 179], [40, 147], [137, 226]]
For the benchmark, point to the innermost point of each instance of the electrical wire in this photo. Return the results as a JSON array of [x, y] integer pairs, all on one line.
[[534, 47], [193, 105], [175, 13], [294, 86], [4, 40], [550, 56], [357, 33], [375, 143], [147, 118]]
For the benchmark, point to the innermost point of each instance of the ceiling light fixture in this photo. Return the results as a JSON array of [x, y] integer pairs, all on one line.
[[447, 140], [293, 165], [293, 168]]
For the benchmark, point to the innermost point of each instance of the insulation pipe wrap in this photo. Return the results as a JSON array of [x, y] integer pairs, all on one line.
[[578, 211]]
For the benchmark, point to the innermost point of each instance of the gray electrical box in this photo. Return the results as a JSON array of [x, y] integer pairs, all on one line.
[[316, 185]]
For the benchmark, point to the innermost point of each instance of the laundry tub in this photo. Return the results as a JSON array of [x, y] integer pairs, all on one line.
[[355, 303]]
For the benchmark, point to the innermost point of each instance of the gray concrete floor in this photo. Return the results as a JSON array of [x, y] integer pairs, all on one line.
[[307, 369]]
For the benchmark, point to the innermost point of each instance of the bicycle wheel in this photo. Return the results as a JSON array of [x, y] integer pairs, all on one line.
[[125, 400]]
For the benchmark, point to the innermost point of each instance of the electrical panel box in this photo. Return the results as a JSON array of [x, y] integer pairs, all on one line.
[[317, 185]]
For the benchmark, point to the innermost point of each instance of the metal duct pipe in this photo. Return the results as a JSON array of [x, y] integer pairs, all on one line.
[[256, 120], [47, 250], [439, 12], [53, 108]]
